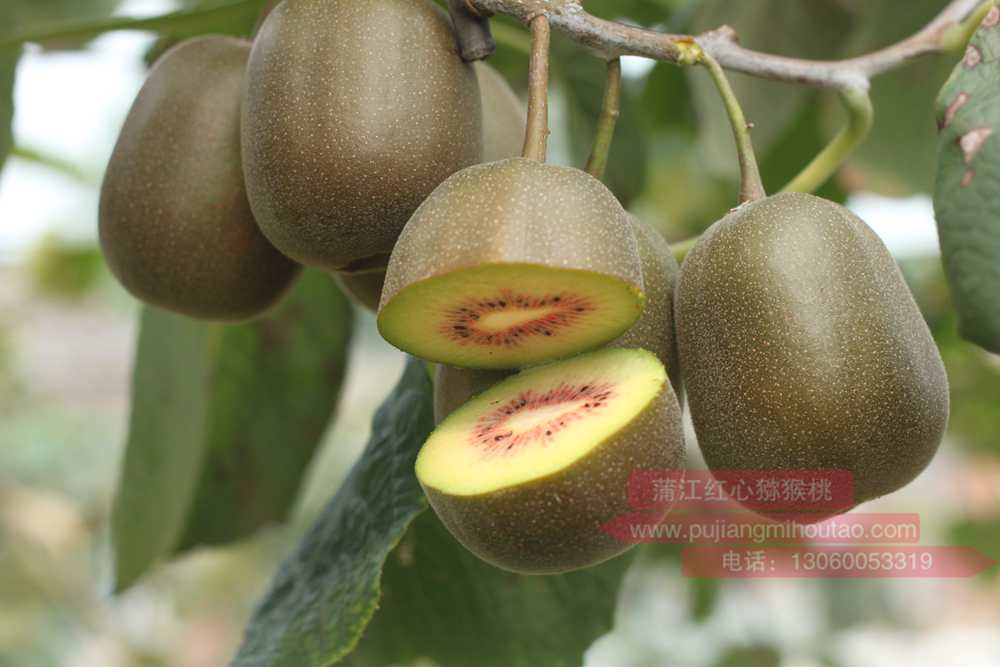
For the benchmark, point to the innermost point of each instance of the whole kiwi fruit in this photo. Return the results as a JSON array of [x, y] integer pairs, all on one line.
[[503, 135], [510, 264], [802, 348], [654, 331], [528, 474], [353, 113], [175, 224]]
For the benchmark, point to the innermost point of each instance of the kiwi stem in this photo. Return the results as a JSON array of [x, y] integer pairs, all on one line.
[[536, 135], [751, 187], [610, 110], [860, 116], [475, 39], [957, 36]]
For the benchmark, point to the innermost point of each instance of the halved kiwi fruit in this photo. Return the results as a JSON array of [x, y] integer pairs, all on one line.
[[526, 474], [511, 264], [654, 331]]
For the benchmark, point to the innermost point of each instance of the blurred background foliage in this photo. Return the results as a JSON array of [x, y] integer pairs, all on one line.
[[67, 331]]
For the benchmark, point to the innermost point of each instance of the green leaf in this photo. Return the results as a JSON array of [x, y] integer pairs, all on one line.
[[327, 590], [29, 15], [276, 385], [981, 534], [224, 420], [968, 178], [8, 68], [232, 17], [468, 608], [751, 656], [666, 100]]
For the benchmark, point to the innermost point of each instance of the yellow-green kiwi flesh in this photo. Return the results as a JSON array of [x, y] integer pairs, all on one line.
[[503, 135], [175, 225], [802, 348], [353, 113], [654, 331], [511, 264], [526, 474]]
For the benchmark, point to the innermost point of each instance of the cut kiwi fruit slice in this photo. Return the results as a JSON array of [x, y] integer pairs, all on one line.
[[511, 264], [654, 331], [526, 474]]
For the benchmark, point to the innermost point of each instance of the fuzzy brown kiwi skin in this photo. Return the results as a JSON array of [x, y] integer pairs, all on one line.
[[802, 348], [515, 211], [654, 331], [503, 135], [353, 113], [175, 224], [504, 117], [554, 524]]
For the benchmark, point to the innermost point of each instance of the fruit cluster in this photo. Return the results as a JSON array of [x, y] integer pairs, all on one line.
[[352, 137]]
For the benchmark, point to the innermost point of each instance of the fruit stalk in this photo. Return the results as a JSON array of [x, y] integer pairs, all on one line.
[[610, 110], [860, 116], [751, 187], [537, 134]]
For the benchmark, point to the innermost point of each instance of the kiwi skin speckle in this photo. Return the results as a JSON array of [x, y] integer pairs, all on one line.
[[353, 113], [655, 329], [802, 348], [554, 524], [503, 134], [175, 225]]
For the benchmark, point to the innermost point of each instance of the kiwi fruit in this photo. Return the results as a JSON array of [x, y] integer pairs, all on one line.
[[454, 386], [504, 117], [654, 331], [175, 225], [353, 113], [364, 289], [503, 136], [511, 264], [802, 348], [526, 474]]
